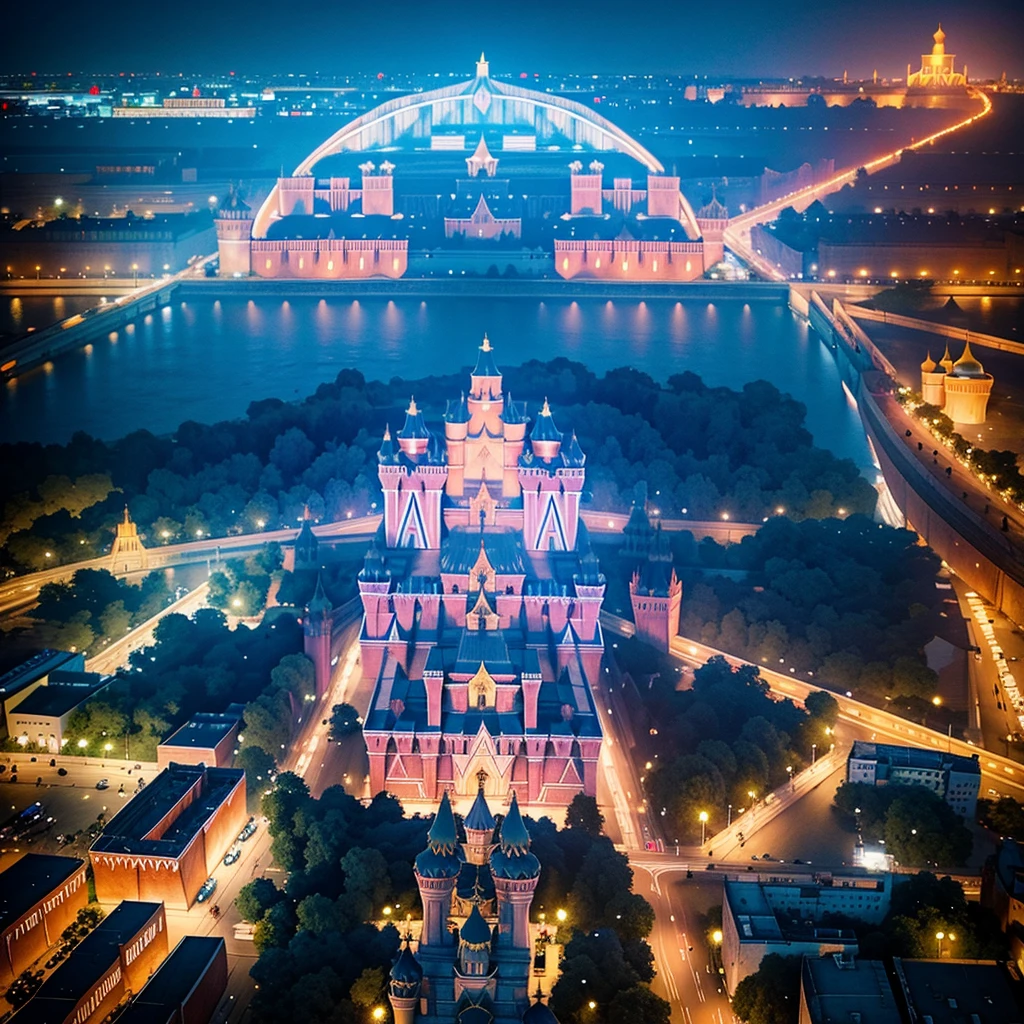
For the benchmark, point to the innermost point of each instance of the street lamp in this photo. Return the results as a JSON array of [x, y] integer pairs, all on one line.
[[716, 936], [82, 744], [729, 821], [378, 1013], [135, 275], [814, 752], [561, 915], [703, 818], [939, 936]]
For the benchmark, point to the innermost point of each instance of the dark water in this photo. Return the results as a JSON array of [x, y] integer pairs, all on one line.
[[19, 313], [207, 359]]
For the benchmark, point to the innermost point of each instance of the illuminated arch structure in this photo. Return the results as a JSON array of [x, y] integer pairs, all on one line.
[[305, 228]]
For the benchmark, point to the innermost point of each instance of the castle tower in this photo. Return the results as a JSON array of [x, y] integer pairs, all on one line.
[[933, 378], [304, 552], [412, 478], [585, 189], [404, 986], [712, 220], [374, 582], [436, 870], [552, 482], [233, 223], [474, 952], [967, 389], [317, 626], [479, 825], [663, 196], [127, 553], [378, 190], [656, 595]]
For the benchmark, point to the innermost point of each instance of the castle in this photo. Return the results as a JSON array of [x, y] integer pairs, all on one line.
[[959, 389], [475, 957], [481, 598]]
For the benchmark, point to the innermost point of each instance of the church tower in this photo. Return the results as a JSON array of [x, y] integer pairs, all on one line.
[[552, 481], [233, 222], [127, 554], [317, 626], [412, 476]]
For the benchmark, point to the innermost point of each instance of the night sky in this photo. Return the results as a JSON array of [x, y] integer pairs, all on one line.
[[734, 38]]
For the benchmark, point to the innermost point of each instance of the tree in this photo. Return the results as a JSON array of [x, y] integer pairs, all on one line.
[[275, 928], [824, 707], [344, 721], [639, 1005], [259, 766], [367, 990], [583, 814], [772, 994], [255, 898]]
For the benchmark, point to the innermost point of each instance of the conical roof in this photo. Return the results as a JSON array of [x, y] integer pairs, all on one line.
[[573, 454], [319, 603], [967, 365], [442, 836], [539, 1014], [544, 429], [374, 569], [514, 413], [387, 452], [476, 932], [457, 412], [947, 360], [514, 837], [485, 364], [480, 818], [414, 427], [406, 969]]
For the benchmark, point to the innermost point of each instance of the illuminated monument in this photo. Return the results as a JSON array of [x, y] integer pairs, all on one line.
[[937, 68], [464, 169], [961, 389], [475, 959], [481, 598]]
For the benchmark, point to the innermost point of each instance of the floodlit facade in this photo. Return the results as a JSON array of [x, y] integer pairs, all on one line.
[[938, 69]]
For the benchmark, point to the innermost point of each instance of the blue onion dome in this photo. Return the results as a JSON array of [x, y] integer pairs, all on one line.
[[441, 857], [485, 364], [414, 427], [319, 603], [967, 365], [573, 455], [406, 970], [457, 412], [480, 818], [476, 932], [512, 859], [387, 452], [539, 1014], [544, 429]]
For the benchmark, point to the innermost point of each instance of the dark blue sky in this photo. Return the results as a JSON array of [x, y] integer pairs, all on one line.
[[730, 37]]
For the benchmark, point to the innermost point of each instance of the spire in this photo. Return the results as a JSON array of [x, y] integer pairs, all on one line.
[[319, 603], [480, 818], [967, 365], [929, 364], [574, 453], [476, 932], [442, 837], [387, 452], [412, 410], [127, 516], [457, 411], [514, 837], [483, 69], [947, 360], [414, 428], [544, 429], [485, 364]]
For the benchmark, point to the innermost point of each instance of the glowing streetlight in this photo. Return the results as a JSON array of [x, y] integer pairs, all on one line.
[[939, 936], [108, 747], [82, 744], [378, 1013], [387, 911], [716, 936], [561, 915], [592, 1004], [703, 818]]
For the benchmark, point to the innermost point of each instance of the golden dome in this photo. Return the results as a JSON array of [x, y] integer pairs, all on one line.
[[928, 366], [946, 362], [967, 365], [940, 39]]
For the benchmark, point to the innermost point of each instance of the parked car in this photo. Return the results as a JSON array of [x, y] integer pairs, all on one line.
[[207, 890], [103, 784], [232, 855], [248, 832]]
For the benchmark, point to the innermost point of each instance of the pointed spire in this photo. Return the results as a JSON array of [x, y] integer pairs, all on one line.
[[442, 837], [929, 364], [574, 453], [485, 347], [947, 360], [480, 818], [387, 452], [319, 603], [514, 837], [544, 429], [485, 364], [412, 410], [127, 516], [476, 932]]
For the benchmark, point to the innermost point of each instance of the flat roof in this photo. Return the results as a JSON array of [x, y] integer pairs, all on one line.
[[29, 880], [836, 988], [914, 757], [88, 962], [58, 697], [34, 668], [957, 991], [174, 979], [127, 832], [204, 730]]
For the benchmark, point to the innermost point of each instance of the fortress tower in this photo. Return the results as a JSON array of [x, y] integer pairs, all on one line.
[[933, 381], [233, 222], [317, 627], [712, 220], [127, 554], [967, 389]]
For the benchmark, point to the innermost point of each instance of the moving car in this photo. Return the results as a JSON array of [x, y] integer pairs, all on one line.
[[207, 890], [232, 855], [103, 784], [248, 832]]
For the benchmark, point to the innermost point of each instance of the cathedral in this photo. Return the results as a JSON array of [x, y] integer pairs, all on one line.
[[475, 957], [481, 597]]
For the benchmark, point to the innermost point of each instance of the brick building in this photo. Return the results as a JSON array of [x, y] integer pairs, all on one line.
[[40, 896], [206, 738], [168, 840]]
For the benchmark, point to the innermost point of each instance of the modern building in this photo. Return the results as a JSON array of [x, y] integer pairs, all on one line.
[[111, 962], [171, 836], [17, 683], [955, 778], [791, 918], [957, 992], [476, 175], [1002, 892], [40, 895], [960, 389], [42, 716], [481, 597], [206, 738], [840, 989], [195, 106], [187, 986], [474, 962]]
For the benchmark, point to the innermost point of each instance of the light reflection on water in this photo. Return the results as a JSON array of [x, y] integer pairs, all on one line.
[[208, 359]]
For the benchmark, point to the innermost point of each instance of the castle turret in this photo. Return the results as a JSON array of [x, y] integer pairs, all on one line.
[[967, 389], [516, 872], [404, 985], [475, 945], [656, 595], [304, 552], [933, 379], [127, 554], [436, 870], [479, 825], [713, 219], [317, 627], [233, 222]]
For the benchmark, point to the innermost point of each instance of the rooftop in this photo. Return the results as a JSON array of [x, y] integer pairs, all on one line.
[[174, 979], [63, 692], [36, 667], [88, 962], [137, 829], [836, 988], [959, 991], [29, 880], [204, 730], [914, 757]]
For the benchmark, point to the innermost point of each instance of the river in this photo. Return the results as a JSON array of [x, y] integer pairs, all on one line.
[[206, 359]]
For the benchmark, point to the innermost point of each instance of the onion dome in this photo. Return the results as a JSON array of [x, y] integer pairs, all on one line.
[[414, 427], [387, 452], [406, 973], [947, 360], [573, 455], [928, 366], [967, 365], [512, 859], [480, 818], [485, 364], [544, 429], [476, 932], [457, 412], [440, 859], [319, 603]]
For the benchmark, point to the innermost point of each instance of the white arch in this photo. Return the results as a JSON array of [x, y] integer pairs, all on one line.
[[617, 139]]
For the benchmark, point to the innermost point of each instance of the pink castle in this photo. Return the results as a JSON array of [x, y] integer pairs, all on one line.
[[481, 598]]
